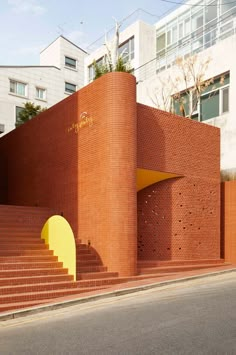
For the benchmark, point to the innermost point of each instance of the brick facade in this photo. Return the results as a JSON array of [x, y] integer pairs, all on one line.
[[228, 221], [178, 218], [80, 158]]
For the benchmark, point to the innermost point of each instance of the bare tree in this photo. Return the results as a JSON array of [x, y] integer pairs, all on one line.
[[191, 78], [182, 86], [112, 61]]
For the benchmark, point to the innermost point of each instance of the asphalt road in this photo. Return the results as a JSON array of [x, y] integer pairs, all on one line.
[[197, 317]]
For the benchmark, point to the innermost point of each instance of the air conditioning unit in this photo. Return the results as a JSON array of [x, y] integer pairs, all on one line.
[[2, 128]]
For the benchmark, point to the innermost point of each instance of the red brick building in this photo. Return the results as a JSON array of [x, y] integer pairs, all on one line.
[[88, 156]]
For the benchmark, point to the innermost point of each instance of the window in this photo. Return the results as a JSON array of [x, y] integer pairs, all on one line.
[[70, 88], [126, 49], [225, 100], [2, 128], [40, 93], [214, 100], [70, 62], [181, 30], [18, 88], [227, 5], [18, 110], [161, 44]]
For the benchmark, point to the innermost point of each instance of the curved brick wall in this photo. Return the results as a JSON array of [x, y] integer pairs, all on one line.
[[80, 158], [107, 172], [178, 218]]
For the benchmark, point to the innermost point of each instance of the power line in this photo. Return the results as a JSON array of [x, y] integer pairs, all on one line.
[[202, 5], [185, 41]]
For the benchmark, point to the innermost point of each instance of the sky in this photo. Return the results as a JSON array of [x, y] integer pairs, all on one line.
[[28, 26]]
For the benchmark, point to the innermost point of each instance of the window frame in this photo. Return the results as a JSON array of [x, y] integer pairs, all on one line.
[[70, 66], [38, 88], [16, 92], [70, 91], [16, 114]]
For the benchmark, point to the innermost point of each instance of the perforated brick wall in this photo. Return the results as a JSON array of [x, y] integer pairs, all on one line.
[[178, 218]]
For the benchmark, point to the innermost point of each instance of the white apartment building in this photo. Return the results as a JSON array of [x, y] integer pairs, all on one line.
[[203, 28], [60, 73]]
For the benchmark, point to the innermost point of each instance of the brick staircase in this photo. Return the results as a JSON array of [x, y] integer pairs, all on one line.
[[31, 275], [162, 268], [29, 272]]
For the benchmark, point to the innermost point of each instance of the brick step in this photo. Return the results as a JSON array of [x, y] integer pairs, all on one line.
[[23, 246], [14, 289], [18, 234], [25, 252], [21, 297], [23, 209], [81, 246], [91, 268], [30, 265], [103, 281], [96, 275], [21, 305], [28, 304], [11, 240], [27, 258], [32, 272], [86, 257], [154, 263], [84, 252], [34, 279], [82, 263], [12, 225], [20, 229], [171, 269]]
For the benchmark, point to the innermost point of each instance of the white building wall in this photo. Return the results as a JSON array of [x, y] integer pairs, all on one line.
[[49, 78], [222, 59], [51, 54], [51, 75], [55, 55], [144, 46]]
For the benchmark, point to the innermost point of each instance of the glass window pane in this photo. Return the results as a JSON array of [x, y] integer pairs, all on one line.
[[226, 5], [161, 42], [210, 106], [225, 100], [70, 62], [21, 89], [13, 86], [181, 30], [211, 12], [174, 34], [181, 105], [187, 26], [168, 38], [18, 110], [70, 87]]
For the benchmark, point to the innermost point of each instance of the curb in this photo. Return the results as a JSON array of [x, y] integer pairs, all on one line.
[[57, 305]]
